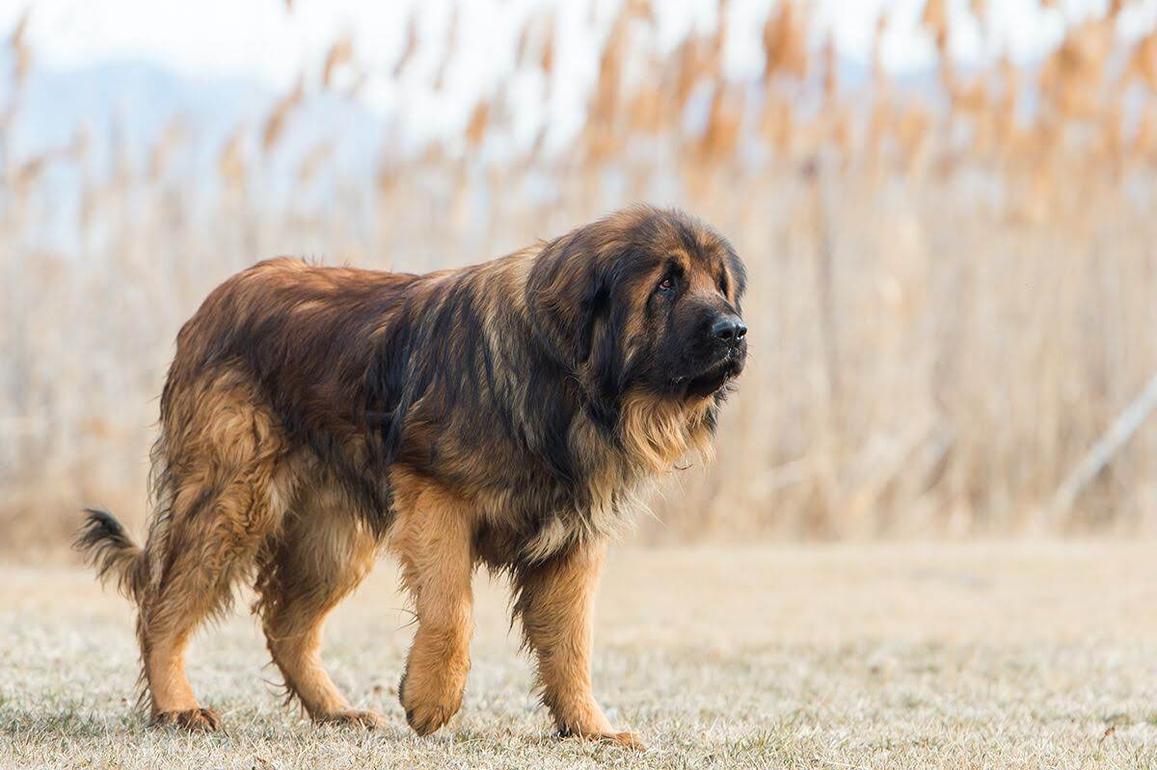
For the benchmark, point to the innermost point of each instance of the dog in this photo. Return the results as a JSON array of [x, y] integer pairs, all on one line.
[[507, 414]]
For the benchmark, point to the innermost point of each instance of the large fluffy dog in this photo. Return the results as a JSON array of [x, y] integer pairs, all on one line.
[[503, 414]]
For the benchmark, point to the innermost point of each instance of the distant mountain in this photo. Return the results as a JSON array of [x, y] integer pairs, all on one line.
[[127, 105]]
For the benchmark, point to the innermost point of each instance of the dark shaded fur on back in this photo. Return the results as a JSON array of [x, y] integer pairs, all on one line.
[[462, 376]]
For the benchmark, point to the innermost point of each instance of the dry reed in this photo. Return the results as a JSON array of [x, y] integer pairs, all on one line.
[[951, 295]]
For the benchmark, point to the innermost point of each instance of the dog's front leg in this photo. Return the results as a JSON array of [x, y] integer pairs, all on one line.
[[556, 602], [434, 540]]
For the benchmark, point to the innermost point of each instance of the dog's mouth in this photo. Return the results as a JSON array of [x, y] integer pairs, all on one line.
[[713, 377]]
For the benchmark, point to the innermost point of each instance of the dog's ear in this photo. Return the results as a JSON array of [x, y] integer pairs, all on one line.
[[567, 290], [571, 296]]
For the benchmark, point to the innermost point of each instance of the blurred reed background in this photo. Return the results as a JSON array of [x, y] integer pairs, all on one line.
[[952, 278]]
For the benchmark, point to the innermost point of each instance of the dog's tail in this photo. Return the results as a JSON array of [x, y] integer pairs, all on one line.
[[107, 547]]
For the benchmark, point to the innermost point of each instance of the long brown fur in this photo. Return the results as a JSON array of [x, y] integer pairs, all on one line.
[[504, 414]]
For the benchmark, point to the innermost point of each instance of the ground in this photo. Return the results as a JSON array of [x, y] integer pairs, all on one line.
[[881, 656]]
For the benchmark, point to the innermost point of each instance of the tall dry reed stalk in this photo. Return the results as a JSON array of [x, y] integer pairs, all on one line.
[[951, 297]]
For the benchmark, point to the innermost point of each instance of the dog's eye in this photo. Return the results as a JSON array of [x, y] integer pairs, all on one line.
[[666, 285]]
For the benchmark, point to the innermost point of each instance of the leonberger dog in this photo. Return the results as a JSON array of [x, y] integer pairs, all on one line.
[[505, 414]]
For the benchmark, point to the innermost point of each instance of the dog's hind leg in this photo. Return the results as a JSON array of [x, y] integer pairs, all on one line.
[[321, 554], [217, 505]]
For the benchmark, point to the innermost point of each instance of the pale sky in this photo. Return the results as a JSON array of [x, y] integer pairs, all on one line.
[[258, 40]]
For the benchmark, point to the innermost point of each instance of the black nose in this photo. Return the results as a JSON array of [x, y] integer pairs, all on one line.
[[729, 329]]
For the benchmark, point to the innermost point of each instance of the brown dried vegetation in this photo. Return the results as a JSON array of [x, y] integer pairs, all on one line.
[[952, 293]]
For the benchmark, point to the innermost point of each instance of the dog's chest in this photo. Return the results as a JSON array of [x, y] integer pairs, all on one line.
[[535, 516]]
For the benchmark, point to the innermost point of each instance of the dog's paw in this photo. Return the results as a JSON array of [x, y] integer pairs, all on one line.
[[194, 720], [368, 720], [431, 701], [427, 718], [626, 739]]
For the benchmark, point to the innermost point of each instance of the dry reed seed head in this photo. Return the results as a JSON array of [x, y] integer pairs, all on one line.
[[313, 162], [943, 41], [388, 176], [340, 54], [948, 79], [778, 123], [546, 60], [522, 51], [539, 144], [1145, 138], [785, 43], [688, 70], [279, 116], [1143, 61], [911, 131], [717, 42], [831, 59], [439, 83], [709, 53], [971, 98], [478, 124], [16, 37], [879, 124], [1009, 77], [979, 9], [28, 172], [841, 132], [21, 51], [1003, 110], [721, 134], [1045, 136], [1072, 76], [608, 84], [1083, 52], [643, 11], [448, 50], [357, 86], [537, 31], [1112, 144], [175, 134], [231, 161], [879, 76], [935, 17], [645, 112], [410, 49], [80, 147]]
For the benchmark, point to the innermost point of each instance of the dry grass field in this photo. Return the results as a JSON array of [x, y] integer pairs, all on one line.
[[888, 656], [951, 302]]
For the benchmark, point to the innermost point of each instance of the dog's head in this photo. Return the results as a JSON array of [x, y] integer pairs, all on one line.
[[644, 303]]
